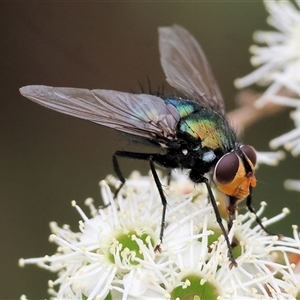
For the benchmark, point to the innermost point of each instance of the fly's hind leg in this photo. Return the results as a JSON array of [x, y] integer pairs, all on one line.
[[118, 172], [128, 154], [152, 158]]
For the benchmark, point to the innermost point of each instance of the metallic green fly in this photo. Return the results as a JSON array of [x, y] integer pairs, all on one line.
[[192, 129]]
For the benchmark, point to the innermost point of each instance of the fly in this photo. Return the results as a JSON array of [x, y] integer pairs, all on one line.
[[192, 130]]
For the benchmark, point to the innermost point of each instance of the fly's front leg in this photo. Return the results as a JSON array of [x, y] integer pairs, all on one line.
[[257, 219]]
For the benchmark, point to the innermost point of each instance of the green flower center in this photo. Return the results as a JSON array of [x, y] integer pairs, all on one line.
[[212, 238], [126, 247], [195, 287]]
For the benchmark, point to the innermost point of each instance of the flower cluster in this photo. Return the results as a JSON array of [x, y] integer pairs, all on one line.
[[113, 256], [278, 63]]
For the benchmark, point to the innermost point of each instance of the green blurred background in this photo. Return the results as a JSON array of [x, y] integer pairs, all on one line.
[[48, 159]]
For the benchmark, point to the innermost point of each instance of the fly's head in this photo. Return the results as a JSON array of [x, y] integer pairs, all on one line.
[[234, 173]]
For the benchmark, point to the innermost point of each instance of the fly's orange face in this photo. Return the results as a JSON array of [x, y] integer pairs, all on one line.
[[234, 174]]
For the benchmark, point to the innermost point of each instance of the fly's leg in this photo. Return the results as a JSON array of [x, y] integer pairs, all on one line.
[[169, 163], [257, 219], [151, 157], [118, 173], [195, 178], [231, 216], [120, 176], [233, 263], [163, 201], [126, 154]]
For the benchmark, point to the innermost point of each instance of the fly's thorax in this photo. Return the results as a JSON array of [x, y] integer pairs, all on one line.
[[184, 107], [234, 173]]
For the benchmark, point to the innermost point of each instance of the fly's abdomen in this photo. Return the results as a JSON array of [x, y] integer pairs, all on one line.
[[205, 130]]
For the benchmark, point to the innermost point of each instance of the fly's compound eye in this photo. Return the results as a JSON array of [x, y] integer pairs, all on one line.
[[249, 151], [226, 168], [231, 176]]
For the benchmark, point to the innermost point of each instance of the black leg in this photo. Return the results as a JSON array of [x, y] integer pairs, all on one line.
[[163, 201], [127, 154], [118, 173], [151, 157], [257, 219], [219, 221], [194, 176]]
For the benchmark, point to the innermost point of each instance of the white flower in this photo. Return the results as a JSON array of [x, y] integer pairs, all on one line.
[[269, 158], [293, 259], [290, 140], [291, 184], [112, 256], [278, 65], [279, 60]]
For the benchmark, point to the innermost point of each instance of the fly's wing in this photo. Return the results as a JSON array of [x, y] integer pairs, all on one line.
[[138, 114], [187, 69]]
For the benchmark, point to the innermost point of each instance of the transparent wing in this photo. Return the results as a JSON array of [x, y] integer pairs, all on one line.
[[138, 114], [186, 67]]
